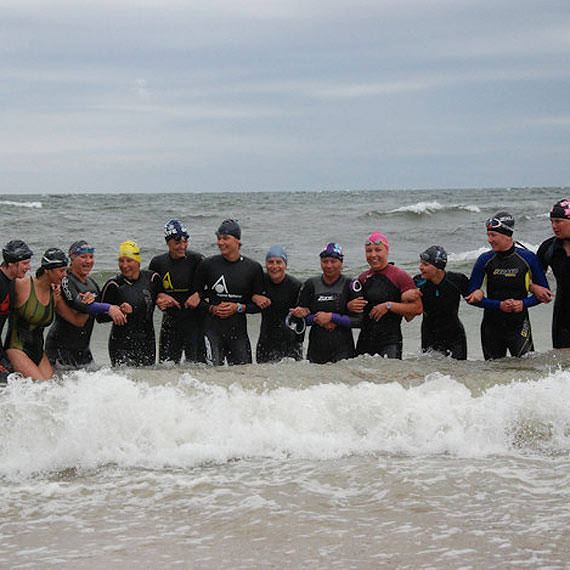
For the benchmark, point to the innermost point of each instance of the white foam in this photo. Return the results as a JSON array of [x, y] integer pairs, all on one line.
[[21, 204], [470, 255], [94, 419], [431, 207]]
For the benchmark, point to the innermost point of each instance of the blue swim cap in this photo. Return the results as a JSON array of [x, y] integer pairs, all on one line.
[[174, 229], [276, 251]]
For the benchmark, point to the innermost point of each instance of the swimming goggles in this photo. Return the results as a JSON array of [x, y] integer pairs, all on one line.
[[495, 223], [375, 242], [84, 249]]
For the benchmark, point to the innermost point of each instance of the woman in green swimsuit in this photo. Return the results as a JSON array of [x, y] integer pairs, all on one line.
[[36, 299]]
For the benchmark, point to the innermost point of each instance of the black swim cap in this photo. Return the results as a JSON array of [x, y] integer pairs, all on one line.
[[16, 250], [54, 258], [435, 255], [561, 210], [229, 228], [174, 229], [502, 223]]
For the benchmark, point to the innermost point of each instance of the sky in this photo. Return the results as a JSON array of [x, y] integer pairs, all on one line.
[[201, 96]]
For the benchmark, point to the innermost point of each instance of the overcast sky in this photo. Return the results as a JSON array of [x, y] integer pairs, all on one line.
[[225, 95]]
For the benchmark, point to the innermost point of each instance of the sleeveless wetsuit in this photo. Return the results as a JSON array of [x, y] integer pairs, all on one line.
[[508, 275], [133, 344], [219, 280], [552, 253], [27, 323], [276, 339], [181, 329], [316, 295], [442, 330], [66, 344], [382, 337], [6, 302]]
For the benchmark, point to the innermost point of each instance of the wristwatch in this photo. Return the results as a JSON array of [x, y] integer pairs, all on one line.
[[389, 305]]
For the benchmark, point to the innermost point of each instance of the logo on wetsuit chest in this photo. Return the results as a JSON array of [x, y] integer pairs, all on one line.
[[5, 306], [509, 272], [220, 286], [322, 298]]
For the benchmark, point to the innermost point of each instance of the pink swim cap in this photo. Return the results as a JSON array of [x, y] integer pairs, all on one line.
[[377, 238]]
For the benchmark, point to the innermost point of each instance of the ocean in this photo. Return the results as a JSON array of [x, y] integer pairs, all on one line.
[[367, 463]]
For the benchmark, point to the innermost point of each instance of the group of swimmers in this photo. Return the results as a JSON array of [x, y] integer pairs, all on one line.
[[205, 301]]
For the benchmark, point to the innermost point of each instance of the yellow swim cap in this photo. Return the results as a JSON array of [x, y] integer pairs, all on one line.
[[130, 249]]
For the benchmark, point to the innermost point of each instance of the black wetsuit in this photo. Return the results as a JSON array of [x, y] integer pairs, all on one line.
[[6, 305], [442, 330], [133, 344], [508, 275], [66, 344], [552, 254], [317, 296], [218, 281], [181, 329], [383, 337], [276, 339]]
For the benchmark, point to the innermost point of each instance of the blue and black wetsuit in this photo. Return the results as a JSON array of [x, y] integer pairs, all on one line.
[[133, 344], [318, 296], [442, 330], [552, 254], [508, 275], [276, 339], [181, 329], [218, 281], [66, 344]]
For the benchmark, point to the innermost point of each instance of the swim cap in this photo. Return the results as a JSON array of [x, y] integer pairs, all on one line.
[[79, 248], [332, 249], [502, 223], [561, 210], [435, 255], [377, 238], [174, 229], [54, 258], [16, 250], [229, 228], [130, 249], [276, 251]]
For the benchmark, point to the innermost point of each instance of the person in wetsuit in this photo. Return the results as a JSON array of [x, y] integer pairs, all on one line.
[[181, 329], [66, 344], [278, 335], [323, 304], [227, 284], [508, 271], [378, 296], [555, 253], [135, 291], [16, 263], [441, 292], [36, 300]]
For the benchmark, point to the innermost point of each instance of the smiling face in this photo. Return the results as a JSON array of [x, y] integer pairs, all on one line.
[[276, 269], [82, 265], [56, 275], [177, 247], [498, 241], [332, 268], [376, 256], [130, 268], [228, 246], [428, 271], [18, 269], [560, 227]]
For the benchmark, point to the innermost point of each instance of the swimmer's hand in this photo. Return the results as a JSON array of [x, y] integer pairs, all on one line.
[[300, 312], [378, 311], [322, 318], [356, 305], [164, 301], [511, 306], [224, 310], [126, 308], [87, 298], [475, 297], [261, 301], [119, 318], [56, 290], [192, 302], [543, 294]]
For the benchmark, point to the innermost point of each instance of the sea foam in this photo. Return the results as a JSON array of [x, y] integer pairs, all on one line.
[[93, 419], [21, 204]]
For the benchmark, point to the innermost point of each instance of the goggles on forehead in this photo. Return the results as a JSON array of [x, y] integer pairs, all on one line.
[[85, 249], [494, 223], [375, 242]]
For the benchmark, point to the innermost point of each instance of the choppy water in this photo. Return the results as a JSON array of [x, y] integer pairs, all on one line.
[[369, 463]]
